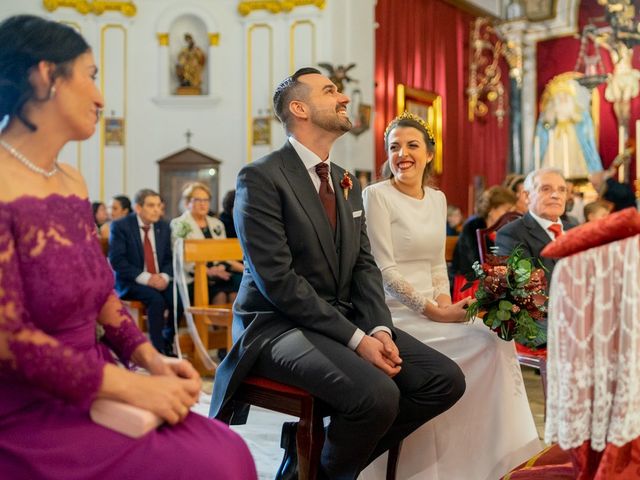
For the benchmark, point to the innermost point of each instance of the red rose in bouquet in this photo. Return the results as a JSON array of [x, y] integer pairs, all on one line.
[[511, 294]]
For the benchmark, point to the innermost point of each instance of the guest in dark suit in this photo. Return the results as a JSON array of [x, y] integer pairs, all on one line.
[[140, 255], [226, 216], [310, 311], [547, 193]]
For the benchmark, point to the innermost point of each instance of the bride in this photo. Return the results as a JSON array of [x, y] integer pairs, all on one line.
[[490, 430]]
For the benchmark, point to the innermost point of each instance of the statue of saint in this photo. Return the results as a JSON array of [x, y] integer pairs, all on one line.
[[189, 68], [565, 136]]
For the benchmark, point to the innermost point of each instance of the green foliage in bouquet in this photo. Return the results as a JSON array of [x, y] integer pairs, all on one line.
[[512, 295]]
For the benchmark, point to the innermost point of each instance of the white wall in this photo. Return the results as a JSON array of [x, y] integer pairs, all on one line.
[[155, 123]]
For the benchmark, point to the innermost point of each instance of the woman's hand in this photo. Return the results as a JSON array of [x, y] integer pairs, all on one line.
[[168, 396], [454, 313], [218, 271]]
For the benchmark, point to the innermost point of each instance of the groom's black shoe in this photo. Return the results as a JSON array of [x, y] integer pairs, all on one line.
[[289, 467]]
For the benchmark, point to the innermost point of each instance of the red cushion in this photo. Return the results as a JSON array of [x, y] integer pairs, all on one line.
[[619, 225], [277, 387]]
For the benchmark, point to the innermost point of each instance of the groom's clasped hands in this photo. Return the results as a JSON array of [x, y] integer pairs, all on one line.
[[380, 350]]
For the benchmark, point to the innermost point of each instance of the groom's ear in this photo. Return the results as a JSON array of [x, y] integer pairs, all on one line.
[[299, 109]]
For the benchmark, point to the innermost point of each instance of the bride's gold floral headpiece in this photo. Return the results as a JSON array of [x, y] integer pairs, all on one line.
[[406, 115]]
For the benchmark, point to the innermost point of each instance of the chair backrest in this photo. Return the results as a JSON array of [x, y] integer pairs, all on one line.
[[449, 247], [482, 234], [209, 250]]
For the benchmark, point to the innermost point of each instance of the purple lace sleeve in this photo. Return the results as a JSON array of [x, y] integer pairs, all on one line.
[[121, 333], [28, 353]]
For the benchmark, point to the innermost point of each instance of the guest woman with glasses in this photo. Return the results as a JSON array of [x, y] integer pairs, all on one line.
[[56, 287], [196, 223]]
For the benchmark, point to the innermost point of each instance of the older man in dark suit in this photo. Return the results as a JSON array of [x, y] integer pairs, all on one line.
[[546, 190], [140, 255], [310, 311]]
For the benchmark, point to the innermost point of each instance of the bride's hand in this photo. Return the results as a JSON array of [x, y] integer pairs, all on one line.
[[454, 313]]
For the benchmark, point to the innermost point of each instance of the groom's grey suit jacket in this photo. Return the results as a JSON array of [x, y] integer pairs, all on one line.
[[297, 274]]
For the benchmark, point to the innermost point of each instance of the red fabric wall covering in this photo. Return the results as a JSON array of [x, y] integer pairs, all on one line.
[[559, 55], [424, 44]]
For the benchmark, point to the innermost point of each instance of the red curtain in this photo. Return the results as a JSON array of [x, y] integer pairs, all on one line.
[[424, 44], [559, 55]]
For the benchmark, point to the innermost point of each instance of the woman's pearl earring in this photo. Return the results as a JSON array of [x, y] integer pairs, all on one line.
[[52, 92]]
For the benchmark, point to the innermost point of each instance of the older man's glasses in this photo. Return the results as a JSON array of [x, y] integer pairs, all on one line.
[[549, 190]]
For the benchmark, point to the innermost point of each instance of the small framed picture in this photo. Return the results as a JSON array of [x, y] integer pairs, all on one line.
[[428, 106], [262, 131], [114, 131]]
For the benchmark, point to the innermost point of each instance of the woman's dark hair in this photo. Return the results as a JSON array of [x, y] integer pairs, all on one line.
[[124, 201], [228, 201], [25, 41], [430, 143], [94, 207], [494, 197]]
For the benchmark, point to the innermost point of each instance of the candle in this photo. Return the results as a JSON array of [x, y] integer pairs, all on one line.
[[536, 152], [565, 155], [621, 143], [550, 152], [637, 150]]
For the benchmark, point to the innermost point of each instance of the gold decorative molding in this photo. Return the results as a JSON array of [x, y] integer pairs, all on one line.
[[163, 39], [276, 6], [292, 43], [102, 71], [214, 39], [249, 94], [97, 7]]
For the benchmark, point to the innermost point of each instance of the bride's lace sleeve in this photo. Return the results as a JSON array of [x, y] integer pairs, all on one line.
[[26, 352], [379, 232], [121, 333]]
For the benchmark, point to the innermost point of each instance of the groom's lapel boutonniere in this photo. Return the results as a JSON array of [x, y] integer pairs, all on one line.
[[346, 184]]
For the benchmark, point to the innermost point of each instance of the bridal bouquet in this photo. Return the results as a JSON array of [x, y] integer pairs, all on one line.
[[511, 295]]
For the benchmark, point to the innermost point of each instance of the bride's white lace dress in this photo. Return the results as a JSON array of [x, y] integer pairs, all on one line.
[[491, 429]]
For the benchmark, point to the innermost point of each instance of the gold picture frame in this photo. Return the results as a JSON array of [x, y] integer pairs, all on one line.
[[427, 105]]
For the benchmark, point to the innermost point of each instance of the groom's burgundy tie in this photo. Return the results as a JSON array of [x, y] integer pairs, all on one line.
[[327, 196]]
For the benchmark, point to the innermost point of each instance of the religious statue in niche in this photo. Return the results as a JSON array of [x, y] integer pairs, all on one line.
[[339, 74], [189, 67], [565, 136]]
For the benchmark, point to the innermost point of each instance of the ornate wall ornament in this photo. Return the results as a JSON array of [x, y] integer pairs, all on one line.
[[97, 7], [276, 6], [214, 39], [163, 39]]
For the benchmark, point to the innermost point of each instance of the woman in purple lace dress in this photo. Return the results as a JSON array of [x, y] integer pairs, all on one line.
[[55, 284]]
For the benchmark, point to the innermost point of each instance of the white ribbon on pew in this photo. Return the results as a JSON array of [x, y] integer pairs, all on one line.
[[180, 287]]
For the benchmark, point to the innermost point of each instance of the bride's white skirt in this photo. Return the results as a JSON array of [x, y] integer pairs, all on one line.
[[489, 431]]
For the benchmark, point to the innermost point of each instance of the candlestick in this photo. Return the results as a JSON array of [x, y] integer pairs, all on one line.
[[550, 150], [621, 142], [565, 155]]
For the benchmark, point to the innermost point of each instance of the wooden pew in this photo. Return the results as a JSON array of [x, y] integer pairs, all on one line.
[[200, 252]]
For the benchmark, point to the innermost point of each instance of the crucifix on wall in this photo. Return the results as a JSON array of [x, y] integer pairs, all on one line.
[[188, 134]]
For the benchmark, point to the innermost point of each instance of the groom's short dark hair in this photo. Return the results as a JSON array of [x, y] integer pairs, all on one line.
[[290, 89]]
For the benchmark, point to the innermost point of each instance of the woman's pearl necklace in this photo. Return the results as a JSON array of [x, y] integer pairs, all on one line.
[[28, 163]]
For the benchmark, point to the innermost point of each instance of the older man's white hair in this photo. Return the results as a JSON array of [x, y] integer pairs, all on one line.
[[530, 181]]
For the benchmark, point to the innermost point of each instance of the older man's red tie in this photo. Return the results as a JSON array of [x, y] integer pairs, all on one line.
[[556, 229]]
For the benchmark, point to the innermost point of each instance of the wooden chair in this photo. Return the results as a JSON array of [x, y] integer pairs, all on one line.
[[265, 393], [529, 358], [449, 248], [482, 234], [200, 252]]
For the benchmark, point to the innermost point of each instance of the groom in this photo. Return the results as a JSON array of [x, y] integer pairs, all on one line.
[[310, 311]]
